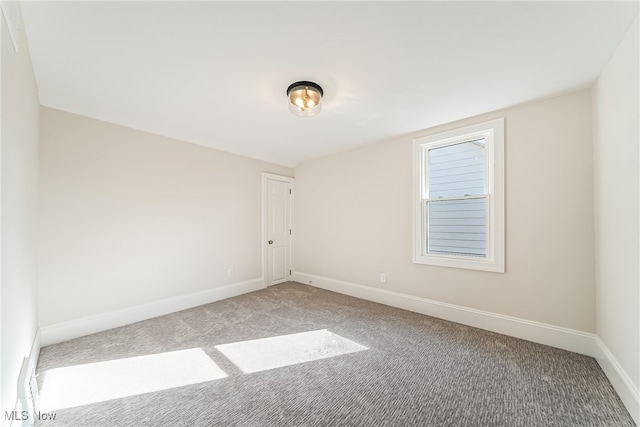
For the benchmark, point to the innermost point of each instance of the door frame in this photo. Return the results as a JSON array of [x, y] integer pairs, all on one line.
[[265, 178]]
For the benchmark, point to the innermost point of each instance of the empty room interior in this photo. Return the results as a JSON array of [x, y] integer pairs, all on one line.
[[320, 213]]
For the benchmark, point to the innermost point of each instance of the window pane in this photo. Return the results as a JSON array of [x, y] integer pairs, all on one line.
[[457, 170], [457, 227]]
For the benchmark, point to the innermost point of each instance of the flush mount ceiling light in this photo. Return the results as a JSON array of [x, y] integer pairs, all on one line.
[[304, 98]]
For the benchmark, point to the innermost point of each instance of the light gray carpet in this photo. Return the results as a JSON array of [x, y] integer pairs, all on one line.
[[418, 371]]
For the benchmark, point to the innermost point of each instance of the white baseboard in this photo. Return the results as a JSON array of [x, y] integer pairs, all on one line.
[[554, 336], [628, 392], [64, 331], [567, 339]]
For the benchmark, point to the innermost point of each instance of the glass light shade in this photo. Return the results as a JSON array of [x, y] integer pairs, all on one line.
[[304, 99]]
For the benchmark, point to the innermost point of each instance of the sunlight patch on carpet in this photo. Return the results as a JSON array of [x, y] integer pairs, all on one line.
[[98, 382], [284, 350]]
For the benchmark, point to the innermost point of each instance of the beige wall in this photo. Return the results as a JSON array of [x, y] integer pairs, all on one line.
[[127, 217], [617, 190], [353, 215], [19, 180]]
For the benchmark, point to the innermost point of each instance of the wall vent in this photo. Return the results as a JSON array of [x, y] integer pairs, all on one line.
[[28, 395]]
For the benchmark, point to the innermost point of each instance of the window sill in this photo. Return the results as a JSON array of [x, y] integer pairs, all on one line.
[[465, 262]]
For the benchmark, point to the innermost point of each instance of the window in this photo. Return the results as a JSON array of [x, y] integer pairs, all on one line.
[[459, 198]]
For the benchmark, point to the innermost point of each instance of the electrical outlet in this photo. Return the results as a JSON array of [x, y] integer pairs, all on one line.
[[383, 277], [230, 272]]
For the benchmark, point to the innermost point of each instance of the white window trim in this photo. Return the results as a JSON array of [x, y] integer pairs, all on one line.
[[493, 130]]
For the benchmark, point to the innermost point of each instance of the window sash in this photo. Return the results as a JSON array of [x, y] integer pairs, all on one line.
[[447, 247], [454, 166], [449, 234]]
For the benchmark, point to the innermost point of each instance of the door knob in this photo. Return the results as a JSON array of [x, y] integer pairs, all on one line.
[[271, 242]]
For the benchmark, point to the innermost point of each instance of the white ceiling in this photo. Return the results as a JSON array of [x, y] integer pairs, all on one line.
[[215, 73]]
